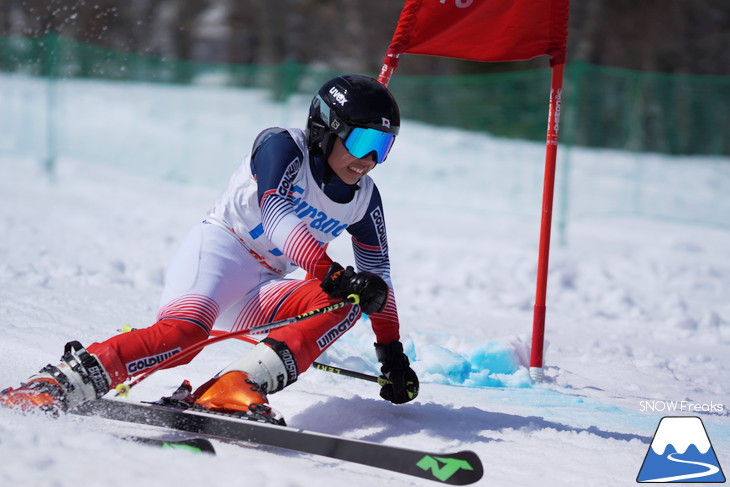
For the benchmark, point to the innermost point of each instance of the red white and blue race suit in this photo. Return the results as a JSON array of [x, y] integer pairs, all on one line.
[[280, 209]]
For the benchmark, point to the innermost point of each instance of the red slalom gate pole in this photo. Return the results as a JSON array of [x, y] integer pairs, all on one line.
[[389, 66], [551, 151]]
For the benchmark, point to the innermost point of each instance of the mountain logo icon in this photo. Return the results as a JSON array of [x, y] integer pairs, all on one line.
[[681, 452]]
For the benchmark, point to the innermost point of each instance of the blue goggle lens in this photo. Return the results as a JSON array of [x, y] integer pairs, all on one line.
[[362, 142]]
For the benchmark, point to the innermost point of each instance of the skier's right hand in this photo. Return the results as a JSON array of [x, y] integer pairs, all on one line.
[[398, 382], [372, 290]]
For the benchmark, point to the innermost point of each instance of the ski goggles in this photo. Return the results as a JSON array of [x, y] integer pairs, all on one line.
[[363, 141]]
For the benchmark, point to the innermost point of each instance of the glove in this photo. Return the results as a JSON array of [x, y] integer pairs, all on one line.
[[339, 283], [398, 381]]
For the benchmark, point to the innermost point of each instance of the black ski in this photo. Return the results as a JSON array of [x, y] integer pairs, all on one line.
[[459, 468]]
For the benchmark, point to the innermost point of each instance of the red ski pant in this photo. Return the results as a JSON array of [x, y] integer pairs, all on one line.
[[128, 354]]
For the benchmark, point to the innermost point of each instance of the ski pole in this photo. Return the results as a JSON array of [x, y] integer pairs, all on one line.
[[380, 380], [346, 373], [123, 389]]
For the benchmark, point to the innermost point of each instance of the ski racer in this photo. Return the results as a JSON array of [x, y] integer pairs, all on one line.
[[295, 192]]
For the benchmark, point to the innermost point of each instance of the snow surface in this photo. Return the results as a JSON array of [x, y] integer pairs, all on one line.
[[637, 319]]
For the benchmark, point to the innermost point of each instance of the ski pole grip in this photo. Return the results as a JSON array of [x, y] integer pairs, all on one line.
[[354, 298]]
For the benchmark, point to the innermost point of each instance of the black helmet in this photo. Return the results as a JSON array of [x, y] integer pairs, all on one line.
[[348, 102]]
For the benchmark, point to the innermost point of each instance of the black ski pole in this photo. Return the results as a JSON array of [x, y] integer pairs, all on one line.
[[346, 373]]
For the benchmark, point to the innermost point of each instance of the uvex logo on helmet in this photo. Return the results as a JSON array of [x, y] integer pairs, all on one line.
[[338, 96]]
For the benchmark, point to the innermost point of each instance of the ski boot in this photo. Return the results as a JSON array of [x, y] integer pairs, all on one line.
[[236, 394], [77, 379], [241, 388]]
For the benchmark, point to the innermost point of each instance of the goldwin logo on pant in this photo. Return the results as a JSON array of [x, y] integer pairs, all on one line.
[[147, 362], [333, 333]]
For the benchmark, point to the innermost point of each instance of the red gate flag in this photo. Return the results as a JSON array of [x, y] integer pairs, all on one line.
[[494, 31], [483, 30]]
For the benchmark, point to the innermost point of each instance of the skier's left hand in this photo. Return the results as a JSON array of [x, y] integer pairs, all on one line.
[[371, 288], [399, 383]]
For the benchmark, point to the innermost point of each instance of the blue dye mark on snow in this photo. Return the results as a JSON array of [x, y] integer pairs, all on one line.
[[493, 364], [486, 364]]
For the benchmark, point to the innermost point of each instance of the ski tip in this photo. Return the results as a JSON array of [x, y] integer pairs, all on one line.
[[195, 445]]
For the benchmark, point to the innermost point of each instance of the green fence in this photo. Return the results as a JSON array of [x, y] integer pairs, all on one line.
[[189, 122], [60, 57], [604, 107], [651, 112]]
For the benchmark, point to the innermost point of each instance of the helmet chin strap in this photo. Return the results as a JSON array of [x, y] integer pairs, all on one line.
[[322, 171], [327, 172]]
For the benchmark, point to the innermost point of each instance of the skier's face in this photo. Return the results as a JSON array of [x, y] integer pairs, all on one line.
[[348, 167]]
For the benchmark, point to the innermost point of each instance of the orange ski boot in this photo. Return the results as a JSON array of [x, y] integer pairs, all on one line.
[[77, 379], [234, 393], [38, 394], [241, 388]]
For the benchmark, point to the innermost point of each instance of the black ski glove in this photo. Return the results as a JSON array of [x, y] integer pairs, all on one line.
[[398, 381], [339, 283]]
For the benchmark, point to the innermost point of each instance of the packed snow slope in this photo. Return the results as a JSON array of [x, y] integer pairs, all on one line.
[[637, 322]]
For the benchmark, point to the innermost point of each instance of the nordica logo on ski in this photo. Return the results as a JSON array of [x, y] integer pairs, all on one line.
[[681, 452], [443, 468], [151, 361]]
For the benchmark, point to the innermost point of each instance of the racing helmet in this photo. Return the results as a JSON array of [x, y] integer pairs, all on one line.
[[359, 110]]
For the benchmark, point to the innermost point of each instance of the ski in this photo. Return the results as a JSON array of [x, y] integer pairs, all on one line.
[[195, 445], [460, 468]]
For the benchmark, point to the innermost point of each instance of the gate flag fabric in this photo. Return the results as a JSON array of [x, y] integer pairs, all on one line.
[[483, 30]]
